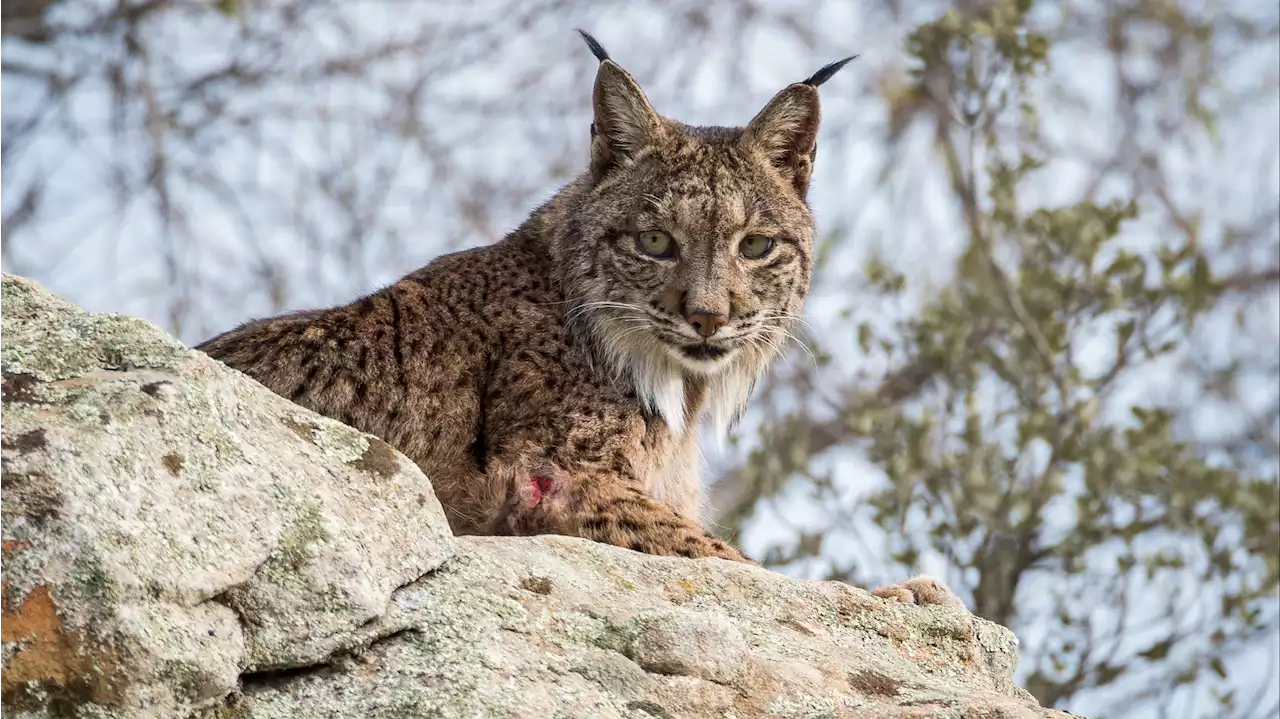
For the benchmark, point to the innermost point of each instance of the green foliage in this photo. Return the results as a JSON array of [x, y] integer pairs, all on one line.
[[1012, 445]]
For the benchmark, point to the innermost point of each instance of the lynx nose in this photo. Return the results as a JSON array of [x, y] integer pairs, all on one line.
[[706, 322]]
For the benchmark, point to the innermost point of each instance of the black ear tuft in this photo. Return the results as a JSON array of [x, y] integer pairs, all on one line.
[[822, 75], [596, 48]]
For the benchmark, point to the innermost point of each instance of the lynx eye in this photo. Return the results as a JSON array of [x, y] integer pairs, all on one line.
[[656, 244], [753, 247]]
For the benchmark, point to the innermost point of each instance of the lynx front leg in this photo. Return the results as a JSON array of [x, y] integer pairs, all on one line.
[[607, 509], [566, 443]]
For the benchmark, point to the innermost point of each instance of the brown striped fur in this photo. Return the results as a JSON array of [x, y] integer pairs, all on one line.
[[563, 351]]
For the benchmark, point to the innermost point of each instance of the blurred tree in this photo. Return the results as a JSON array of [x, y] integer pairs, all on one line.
[[1022, 443], [1058, 384], [196, 161]]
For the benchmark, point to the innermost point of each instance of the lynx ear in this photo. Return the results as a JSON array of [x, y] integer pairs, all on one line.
[[786, 130], [624, 122]]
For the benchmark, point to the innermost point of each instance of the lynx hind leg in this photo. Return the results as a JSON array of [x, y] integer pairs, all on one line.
[[920, 590]]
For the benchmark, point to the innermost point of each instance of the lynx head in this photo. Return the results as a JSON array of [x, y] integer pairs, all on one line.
[[687, 251]]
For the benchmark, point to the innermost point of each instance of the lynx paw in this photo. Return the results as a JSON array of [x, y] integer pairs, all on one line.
[[920, 590]]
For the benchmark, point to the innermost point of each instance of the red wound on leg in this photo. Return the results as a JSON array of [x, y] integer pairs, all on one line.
[[540, 486]]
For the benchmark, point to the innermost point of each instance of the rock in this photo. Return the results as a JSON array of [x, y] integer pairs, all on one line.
[[681, 643], [563, 627], [180, 542], [170, 524]]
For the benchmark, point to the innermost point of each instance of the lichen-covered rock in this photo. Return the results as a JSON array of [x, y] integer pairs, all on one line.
[[175, 534], [562, 627], [704, 645], [170, 524]]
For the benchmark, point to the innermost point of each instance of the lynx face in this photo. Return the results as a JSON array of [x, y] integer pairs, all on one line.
[[712, 263], [689, 255]]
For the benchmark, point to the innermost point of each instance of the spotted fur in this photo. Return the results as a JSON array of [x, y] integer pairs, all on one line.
[[552, 383]]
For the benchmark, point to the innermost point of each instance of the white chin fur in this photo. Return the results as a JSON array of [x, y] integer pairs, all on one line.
[[657, 373], [701, 367], [660, 385]]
